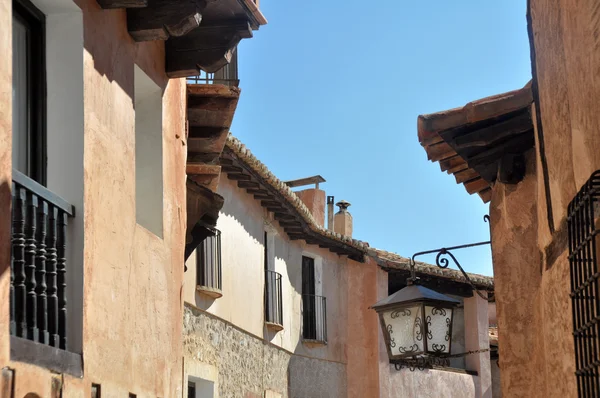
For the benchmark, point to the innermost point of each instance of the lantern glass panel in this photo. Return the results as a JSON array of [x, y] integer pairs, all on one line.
[[438, 322], [405, 330]]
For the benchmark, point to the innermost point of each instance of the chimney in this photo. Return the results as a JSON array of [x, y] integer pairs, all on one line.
[[313, 198], [342, 221], [330, 202]]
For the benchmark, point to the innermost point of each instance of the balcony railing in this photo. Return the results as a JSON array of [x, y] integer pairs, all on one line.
[[314, 318], [209, 262], [273, 298], [227, 75], [38, 285]]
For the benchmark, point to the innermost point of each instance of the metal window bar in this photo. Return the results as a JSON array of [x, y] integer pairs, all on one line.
[[583, 231], [315, 323], [227, 75], [209, 261], [38, 284], [273, 298]]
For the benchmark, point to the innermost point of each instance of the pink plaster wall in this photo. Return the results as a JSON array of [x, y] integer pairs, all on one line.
[[132, 309], [363, 329]]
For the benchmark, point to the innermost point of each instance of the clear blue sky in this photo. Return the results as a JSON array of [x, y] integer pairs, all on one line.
[[335, 87]]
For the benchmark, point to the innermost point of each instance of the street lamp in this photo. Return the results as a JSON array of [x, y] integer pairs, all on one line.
[[416, 323]]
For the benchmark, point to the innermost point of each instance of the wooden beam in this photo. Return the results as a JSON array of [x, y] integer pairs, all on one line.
[[108, 4], [511, 168], [257, 191], [232, 169], [485, 195], [305, 181], [465, 175], [207, 48], [452, 162], [239, 177], [439, 151], [163, 19], [283, 216], [270, 203], [247, 184], [497, 132], [476, 185], [263, 197], [519, 144]]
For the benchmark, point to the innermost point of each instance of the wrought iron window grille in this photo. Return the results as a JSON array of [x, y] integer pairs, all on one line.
[[209, 261], [273, 298], [315, 324], [582, 214]]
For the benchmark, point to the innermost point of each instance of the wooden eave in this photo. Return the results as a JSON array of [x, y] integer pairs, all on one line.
[[210, 111], [481, 140], [199, 34], [289, 218]]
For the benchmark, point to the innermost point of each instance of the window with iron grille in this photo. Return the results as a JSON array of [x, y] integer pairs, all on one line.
[[209, 261], [583, 231], [314, 307]]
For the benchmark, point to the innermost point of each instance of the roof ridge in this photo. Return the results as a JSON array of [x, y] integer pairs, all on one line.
[[242, 151]]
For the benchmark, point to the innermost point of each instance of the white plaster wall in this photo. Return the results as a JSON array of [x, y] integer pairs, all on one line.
[[242, 223], [65, 126], [148, 153]]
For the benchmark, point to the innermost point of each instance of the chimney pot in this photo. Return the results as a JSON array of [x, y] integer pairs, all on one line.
[[343, 219]]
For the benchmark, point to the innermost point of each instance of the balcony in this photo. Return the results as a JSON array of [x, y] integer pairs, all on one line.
[[38, 283], [273, 301], [38, 303], [227, 75], [208, 275], [314, 316]]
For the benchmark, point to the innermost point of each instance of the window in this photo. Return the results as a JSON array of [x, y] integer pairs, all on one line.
[[200, 388], [148, 153], [209, 263], [314, 310], [29, 87], [583, 261], [273, 291], [191, 390]]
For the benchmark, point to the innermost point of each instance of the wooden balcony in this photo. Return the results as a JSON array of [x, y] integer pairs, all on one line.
[[199, 34]]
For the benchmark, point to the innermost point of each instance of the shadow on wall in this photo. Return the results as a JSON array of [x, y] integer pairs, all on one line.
[[109, 53]]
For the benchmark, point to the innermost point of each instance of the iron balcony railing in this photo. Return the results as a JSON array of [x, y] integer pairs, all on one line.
[[273, 298], [314, 318], [38, 284], [227, 75], [209, 261]]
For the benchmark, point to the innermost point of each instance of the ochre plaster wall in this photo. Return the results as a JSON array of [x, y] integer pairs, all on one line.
[[132, 307], [531, 268], [5, 171], [533, 306], [363, 329]]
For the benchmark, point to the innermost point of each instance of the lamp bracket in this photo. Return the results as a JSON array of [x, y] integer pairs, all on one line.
[[442, 261]]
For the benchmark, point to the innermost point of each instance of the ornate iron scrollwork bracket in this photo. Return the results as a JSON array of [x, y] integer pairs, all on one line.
[[421, 363], [441, 260]]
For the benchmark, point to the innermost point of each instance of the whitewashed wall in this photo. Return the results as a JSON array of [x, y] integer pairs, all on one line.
[[242, 223]]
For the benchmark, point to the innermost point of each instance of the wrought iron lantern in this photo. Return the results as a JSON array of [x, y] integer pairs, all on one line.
[[416, 323]]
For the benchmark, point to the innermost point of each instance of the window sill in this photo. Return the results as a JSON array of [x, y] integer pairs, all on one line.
[[274, 326], [45, 356], [314, 343], [209, 291]]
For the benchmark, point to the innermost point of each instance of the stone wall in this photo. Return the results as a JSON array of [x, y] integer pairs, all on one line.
[[314, 378], [245, 364]]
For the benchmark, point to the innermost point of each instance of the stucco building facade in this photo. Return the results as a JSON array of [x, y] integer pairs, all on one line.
[[538, 148], [278, 305], [92, 170]]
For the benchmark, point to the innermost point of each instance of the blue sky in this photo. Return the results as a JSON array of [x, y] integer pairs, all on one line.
[[335, 87]]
